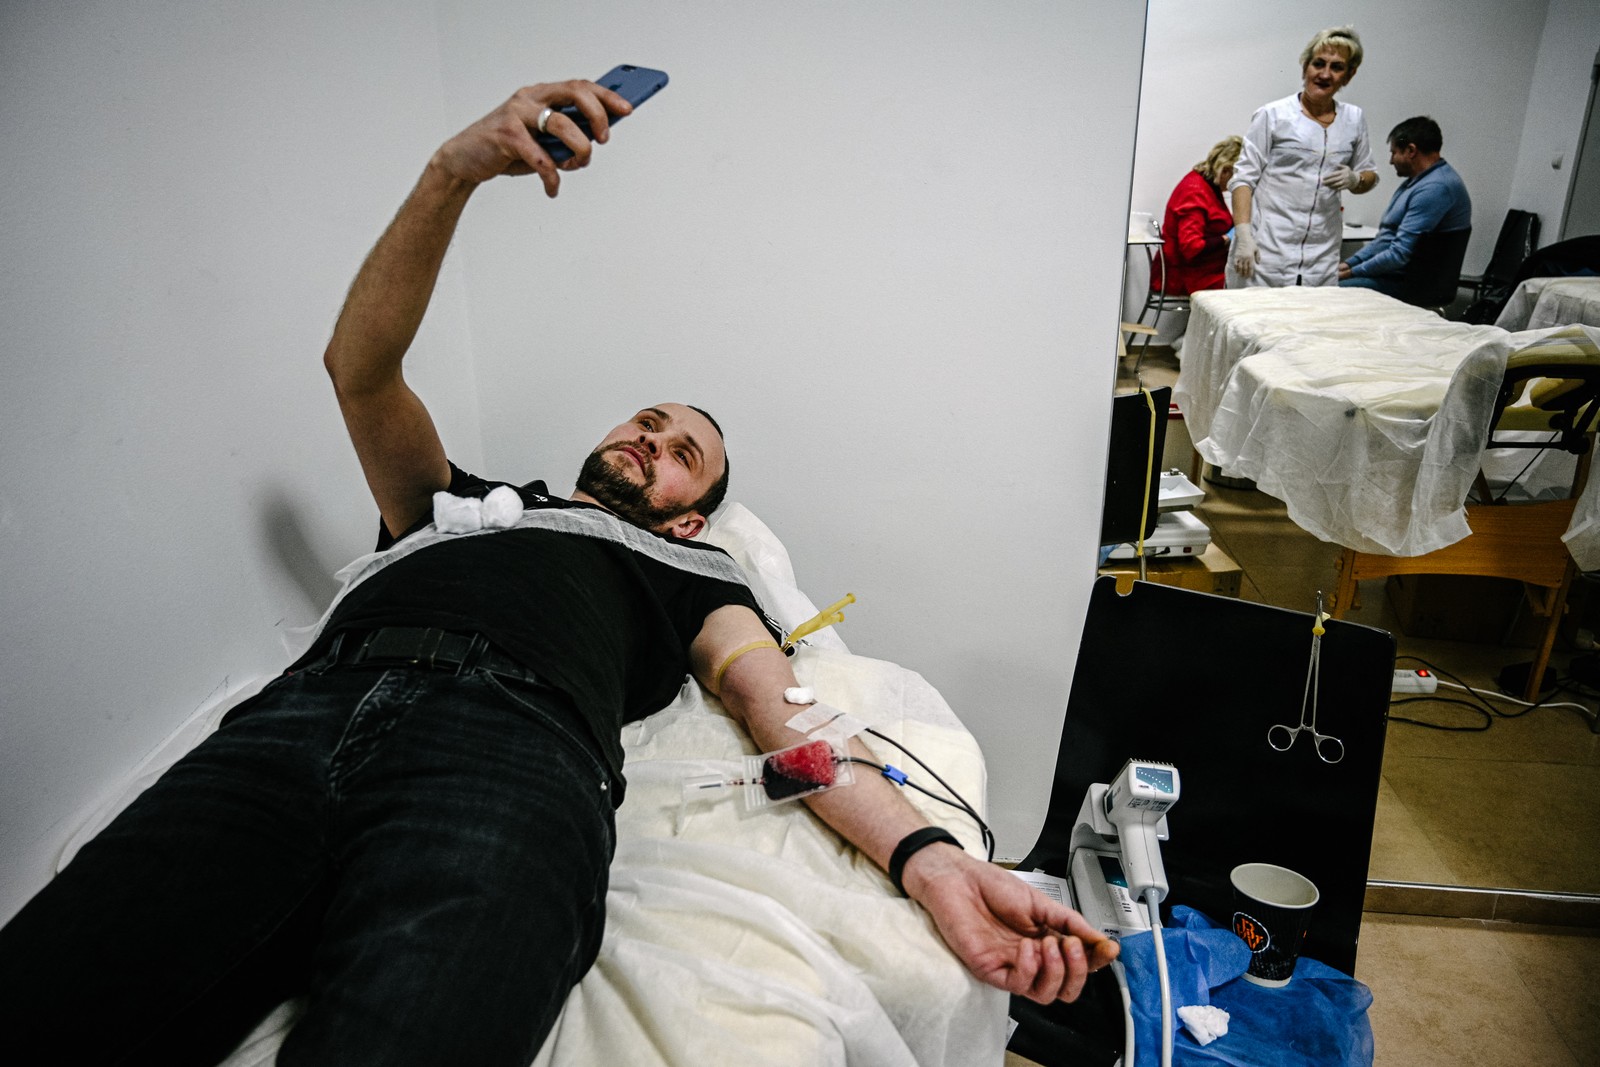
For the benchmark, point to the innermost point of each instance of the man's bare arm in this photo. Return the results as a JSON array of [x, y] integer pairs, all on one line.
[[1006, 934], [394, 437]]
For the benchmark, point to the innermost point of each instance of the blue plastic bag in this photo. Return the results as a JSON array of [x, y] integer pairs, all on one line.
[[1319, 1018]]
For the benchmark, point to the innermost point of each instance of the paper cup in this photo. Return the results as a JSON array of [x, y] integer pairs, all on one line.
[[1272, 911]]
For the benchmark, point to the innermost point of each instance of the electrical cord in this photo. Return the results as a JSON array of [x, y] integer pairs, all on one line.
[[1505, 698], [1482, 703], [1488, 719], [1526, 706]]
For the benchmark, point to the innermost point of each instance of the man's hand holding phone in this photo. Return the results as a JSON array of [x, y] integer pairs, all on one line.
[[505, 140], [547, 128]]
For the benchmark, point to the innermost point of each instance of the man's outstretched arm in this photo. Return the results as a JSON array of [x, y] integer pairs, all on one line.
[[394, 437], [1006, 933]]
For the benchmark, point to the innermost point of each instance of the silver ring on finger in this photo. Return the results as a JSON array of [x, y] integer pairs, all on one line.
[[544, 118]]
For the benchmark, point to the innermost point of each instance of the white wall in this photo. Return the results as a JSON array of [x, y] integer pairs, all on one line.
[[863, 240], [1554, 120], [189, 189], [1468, 63], [897, 300]]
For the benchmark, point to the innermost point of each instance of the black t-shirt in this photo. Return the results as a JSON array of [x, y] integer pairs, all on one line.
[[607, 622]]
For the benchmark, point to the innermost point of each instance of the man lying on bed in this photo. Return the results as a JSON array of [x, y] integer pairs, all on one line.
[[414, 824]]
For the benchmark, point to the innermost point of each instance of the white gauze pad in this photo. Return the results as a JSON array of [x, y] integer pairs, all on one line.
[[1205, 1022]]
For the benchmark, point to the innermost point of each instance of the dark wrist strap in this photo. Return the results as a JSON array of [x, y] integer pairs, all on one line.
[[910, 845]]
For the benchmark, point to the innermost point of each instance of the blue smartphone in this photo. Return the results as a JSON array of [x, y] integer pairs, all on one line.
[[633, 84]]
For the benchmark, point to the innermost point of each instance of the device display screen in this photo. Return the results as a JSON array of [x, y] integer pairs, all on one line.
[[1111, 870], [1158, 777]]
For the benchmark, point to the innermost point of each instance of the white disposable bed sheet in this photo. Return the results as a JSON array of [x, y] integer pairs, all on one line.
[[750, 939], [1366, 416], [1539, 303]]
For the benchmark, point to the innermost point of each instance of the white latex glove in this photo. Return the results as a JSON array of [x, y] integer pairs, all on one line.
[[1245, 254], [1341, 178]]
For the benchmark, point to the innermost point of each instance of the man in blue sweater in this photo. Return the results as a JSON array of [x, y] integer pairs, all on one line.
[[1432, 198]]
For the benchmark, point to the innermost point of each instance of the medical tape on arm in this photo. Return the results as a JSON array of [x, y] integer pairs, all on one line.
[[826, 722]]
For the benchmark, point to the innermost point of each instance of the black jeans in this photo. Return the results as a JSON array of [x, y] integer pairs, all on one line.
[[423, 854]]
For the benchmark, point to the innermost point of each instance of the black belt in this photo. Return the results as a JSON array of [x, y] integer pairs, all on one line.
[[425, 648]]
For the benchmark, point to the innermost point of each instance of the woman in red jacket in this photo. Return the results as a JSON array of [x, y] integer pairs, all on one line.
[[1194, 232]]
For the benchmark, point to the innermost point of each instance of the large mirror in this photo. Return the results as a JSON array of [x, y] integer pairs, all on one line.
[[1495, 799]]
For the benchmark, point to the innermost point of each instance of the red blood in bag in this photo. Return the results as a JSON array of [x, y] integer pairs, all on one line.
[[798, 770]]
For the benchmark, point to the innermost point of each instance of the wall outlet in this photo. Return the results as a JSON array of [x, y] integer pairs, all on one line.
[[1422, 681]]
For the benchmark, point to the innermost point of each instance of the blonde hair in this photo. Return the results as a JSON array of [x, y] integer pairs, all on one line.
[[1342, 38], [1223, 154]]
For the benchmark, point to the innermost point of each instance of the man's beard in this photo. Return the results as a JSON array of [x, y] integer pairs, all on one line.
[[630, 501]]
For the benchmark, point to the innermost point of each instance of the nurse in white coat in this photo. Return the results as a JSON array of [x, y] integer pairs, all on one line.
[[1300, 154]]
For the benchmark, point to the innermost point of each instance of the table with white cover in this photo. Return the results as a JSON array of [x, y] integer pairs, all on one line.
[[1539, 303], [1368, 417]]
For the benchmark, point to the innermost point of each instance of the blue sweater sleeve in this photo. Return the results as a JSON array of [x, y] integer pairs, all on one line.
[[1426, 206]]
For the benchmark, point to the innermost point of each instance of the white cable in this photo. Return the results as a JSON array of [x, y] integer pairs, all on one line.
[[1489, 694], [1121, 975], [1150, 899]]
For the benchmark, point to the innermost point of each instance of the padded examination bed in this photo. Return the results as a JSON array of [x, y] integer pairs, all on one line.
[[751, 939], [1368, 417]]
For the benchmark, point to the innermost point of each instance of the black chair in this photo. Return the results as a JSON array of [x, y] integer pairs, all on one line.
[[1575, 255], [1519, 236], [1195, 680], [1432, 277]]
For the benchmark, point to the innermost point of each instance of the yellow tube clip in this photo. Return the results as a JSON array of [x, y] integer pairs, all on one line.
[[833, 613]]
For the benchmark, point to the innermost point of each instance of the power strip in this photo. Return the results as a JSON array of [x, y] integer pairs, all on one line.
[[1421, 681]]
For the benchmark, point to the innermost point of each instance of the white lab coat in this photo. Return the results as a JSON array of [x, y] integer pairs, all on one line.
[[1296, 220]]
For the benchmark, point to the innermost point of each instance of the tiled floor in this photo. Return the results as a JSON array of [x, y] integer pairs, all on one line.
[[1514, 806]]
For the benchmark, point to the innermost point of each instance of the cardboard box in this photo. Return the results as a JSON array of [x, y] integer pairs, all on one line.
[[1211, 571]]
